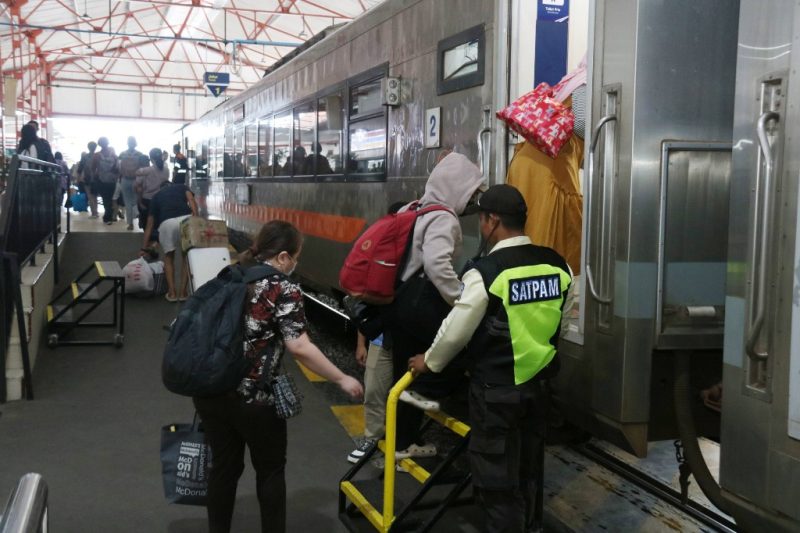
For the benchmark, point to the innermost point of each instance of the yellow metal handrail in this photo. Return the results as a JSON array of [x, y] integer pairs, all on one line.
[[390, 445]]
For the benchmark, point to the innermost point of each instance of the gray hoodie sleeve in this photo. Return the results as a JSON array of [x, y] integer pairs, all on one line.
[[442, 238]]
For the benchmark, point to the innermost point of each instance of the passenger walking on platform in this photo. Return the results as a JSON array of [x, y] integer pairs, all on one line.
[[508, 317], [274, 322], [32, 146], [149, 180], [105, 167], [63, 178], [87, 181], [430, 287], [130, 161], [169, 207], [44, 145]]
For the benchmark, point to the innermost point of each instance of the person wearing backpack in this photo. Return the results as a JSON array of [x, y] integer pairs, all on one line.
[[105, 167], [31, 145], [274, 322], [429, 288]]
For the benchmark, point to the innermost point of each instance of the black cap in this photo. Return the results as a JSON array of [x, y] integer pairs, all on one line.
[[503, 200]]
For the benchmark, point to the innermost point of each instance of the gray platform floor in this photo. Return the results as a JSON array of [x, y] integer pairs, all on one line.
[[93, 430]]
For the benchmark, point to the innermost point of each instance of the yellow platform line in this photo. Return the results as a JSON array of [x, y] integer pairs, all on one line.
[[351, 417], [311, 376]]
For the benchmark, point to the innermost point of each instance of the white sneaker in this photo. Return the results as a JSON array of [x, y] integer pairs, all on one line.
[[356, 455], [419, 401], [416, 450]]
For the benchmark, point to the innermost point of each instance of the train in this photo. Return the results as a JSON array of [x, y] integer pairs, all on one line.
[[690, 262]]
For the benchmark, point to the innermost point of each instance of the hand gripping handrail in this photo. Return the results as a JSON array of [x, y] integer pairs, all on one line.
[[589, 276], [762, 228]]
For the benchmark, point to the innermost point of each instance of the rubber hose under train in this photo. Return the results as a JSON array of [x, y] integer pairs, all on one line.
[[688, 434]]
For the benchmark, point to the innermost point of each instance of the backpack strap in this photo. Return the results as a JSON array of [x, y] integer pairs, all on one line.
[[260, 271], [432, 208]]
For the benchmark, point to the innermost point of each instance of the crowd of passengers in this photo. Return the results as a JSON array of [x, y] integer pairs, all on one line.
[[493, 327]]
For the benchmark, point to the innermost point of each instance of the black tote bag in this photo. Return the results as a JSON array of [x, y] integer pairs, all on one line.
[[185, 460]]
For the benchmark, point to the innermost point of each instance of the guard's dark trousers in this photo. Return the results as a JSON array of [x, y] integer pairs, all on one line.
[[230, 423], [505, 452]]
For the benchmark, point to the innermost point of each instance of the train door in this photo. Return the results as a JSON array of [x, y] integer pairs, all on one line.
[[655, 197], [760, 453]]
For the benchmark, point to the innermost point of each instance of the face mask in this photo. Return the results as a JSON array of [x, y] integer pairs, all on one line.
[[294, 266]]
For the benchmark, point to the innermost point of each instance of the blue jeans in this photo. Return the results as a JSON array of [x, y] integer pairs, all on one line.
[[130, 199]]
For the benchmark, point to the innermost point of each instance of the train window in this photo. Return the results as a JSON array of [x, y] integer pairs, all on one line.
[[304, 141], [367, 146], [251, 150], [460, 61], [238, 153], [366, 99], [265, 147], [219, 158], [282, 126], [227, 156], [330, 122]]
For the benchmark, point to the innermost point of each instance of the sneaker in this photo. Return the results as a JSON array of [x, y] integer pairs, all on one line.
[[419, 401], [362, 449], [130, 227], [93, 216], [416, 450], [108, 222]]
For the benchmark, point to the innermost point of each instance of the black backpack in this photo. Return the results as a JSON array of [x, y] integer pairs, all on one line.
[[204, 355]]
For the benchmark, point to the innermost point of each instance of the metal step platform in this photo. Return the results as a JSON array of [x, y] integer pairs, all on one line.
[[421, 496], [81, 303]]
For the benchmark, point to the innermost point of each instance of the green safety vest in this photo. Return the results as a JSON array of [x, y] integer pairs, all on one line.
[[518, 336]]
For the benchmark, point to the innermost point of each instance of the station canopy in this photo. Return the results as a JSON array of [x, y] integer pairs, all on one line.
[[157, 44]]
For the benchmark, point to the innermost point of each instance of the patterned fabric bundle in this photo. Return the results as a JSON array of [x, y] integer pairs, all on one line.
[[287, 399], [541, 119]]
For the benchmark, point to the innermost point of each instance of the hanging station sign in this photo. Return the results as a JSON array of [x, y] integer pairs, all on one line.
[[216, 82]]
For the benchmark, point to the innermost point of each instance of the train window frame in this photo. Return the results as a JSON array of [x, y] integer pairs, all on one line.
[[312, 101], [474, 79], [344, 88], [265, 122], [251, 128], [369, 76]]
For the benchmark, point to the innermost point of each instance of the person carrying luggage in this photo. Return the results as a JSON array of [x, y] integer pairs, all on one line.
[[509, 318], [274, 322]]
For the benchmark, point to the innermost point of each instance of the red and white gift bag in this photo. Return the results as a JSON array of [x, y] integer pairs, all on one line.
[[541, 119]]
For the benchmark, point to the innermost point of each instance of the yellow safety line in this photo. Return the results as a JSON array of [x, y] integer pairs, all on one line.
[[351, 417], [409, 465], [75, 291], [49, 313], [358, 499], [390, 444], [453, 424], [311, 376], [99, 268]]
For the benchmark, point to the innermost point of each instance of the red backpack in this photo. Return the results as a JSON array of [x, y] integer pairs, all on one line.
[[371, 270]]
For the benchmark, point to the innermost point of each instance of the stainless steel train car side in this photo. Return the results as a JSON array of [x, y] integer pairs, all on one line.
[[397, 39], [760, 452], [659, 204]]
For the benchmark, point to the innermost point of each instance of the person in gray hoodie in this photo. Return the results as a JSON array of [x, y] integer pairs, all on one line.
[[430, 286]]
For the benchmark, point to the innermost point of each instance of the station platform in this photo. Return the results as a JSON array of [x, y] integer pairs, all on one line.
[[93, 432]]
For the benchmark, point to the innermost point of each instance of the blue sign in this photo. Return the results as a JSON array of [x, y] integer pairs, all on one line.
[[552, 32], [216, 82], [553, 10]]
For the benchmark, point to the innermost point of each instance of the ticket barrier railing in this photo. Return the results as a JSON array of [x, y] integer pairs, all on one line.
[[383, 518]]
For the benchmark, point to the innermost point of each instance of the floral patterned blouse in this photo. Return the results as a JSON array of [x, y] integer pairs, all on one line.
[[274, 313]]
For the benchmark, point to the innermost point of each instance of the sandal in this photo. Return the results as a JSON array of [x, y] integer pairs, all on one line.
[[170, 299]]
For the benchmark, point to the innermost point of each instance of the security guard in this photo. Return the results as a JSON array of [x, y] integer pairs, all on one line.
[[508, 317]]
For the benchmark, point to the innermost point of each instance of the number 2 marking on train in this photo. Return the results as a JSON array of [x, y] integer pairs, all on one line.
[[433, 121]]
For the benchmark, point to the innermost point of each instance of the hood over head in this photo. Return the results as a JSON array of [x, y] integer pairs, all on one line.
[[453, 181]]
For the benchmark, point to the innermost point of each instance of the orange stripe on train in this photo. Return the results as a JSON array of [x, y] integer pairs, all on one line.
[[336, 228]]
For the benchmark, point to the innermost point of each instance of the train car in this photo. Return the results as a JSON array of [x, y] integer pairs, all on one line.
[[352, 124], [356, 121]]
